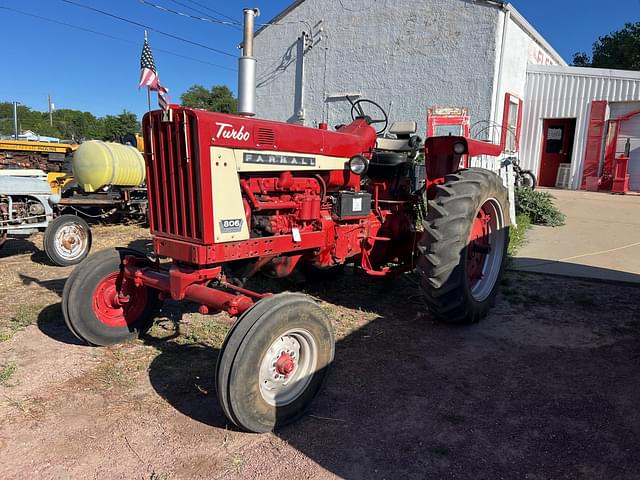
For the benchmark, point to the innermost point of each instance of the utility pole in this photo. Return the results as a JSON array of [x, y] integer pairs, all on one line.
[[50, 113], [15, 120]]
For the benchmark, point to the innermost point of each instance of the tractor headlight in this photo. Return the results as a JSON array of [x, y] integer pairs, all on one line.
[[459, 148], [358, 165]]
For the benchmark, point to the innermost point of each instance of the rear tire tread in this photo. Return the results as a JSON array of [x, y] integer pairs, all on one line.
[[443, 245]]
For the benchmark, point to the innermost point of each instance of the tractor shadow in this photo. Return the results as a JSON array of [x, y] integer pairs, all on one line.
[[409, 397], [183, 374], [21, 245], [365, 405], [55, 285], [51, 322]]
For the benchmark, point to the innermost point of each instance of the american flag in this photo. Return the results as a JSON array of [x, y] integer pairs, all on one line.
[[149, 76]]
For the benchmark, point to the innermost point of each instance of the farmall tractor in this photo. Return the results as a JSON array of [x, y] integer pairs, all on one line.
[[232, 196]]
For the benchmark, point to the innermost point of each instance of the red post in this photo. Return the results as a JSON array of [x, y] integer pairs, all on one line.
[[621, 179]]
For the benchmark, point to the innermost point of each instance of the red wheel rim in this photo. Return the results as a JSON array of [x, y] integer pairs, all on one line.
[[118, 307], [478, 247], [485, 250]]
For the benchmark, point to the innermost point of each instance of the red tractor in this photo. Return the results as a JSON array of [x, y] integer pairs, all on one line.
[[232, 196]]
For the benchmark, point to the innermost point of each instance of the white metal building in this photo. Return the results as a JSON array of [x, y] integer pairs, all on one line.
[[559, 103], [482, 55]]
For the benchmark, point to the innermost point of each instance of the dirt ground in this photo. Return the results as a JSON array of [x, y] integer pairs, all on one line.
[[548, 386]]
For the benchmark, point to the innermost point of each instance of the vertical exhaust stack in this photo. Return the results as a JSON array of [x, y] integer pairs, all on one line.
[[247, 67]]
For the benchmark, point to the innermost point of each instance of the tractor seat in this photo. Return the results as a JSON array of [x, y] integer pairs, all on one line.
[[403, 132]]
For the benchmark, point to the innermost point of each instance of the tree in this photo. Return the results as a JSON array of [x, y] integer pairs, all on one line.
[[116, 126], [620, 50], [581, 59], [218, 99], [68, 124]]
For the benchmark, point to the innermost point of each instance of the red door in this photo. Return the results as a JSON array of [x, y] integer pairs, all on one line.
[[557, 144]]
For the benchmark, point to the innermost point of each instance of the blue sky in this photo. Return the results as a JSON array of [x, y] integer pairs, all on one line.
[[85, 71]]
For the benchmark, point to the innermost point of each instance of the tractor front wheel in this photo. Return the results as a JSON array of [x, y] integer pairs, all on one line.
[[100, 306], [67, 240], [274, 362], [464, 245]]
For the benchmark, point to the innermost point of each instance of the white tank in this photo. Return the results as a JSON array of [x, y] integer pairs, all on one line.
[[97, 164]]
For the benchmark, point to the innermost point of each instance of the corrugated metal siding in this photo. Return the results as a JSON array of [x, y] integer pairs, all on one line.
[[567, 92]]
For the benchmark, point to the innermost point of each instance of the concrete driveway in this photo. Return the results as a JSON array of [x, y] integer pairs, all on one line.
[[601, 238]]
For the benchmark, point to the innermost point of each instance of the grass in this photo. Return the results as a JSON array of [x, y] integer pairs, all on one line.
[[205, 330], [26, 314], [517, 235], [347, 320], [7, 371], [235, 463], [121, 366]]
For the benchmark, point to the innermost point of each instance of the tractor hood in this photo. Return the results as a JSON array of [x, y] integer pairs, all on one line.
[[24, 185], [233, 131]]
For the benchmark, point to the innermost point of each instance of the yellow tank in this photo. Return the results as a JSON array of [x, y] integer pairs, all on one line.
[[97, 164]]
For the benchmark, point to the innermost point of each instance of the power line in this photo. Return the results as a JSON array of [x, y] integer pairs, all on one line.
[[112, 37], [210, 19], [170, 35], [188, 15], [202, 12], [211, 10]]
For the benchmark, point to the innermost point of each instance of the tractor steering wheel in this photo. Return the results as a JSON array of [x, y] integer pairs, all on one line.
[[358, 112]]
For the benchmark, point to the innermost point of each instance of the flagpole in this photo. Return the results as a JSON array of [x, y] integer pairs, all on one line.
[[149, 113], [148, 89]]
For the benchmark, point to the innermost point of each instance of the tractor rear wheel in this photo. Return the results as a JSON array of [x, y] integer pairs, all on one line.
[[102, 308], [464, 245], [274, 361]]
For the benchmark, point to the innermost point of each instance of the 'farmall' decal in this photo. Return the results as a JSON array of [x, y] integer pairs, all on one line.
[[229, 132], [289, 160]]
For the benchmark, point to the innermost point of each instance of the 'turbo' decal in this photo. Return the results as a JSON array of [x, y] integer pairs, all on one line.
[[269, 159]]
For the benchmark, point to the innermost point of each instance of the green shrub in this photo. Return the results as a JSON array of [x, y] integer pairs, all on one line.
[[539, 207]]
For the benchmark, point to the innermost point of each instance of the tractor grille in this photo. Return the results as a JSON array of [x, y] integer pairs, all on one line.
[[174, 176]]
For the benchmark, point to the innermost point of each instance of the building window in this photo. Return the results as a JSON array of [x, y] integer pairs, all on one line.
[[554, 139], [511, 123], [448, 130]]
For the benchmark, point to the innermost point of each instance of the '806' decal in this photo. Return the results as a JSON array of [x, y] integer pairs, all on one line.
[[233, 225]]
